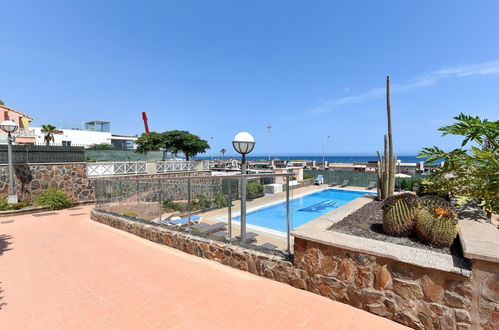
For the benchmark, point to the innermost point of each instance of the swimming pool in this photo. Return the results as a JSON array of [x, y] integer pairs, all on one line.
[[302, 209]]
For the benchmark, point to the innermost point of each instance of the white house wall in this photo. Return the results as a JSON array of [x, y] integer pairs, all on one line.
[[77, 137]]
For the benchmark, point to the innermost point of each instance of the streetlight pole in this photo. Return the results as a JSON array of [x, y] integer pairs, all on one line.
[[211, 138], [324, 150], [10, 127], [243, 143], [270, 138]]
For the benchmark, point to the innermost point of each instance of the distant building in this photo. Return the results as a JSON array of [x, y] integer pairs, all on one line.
[[24, 134], [98, 126], [86, 138]]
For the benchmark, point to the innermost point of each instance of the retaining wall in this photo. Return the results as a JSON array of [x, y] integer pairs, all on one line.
[[31, 180]]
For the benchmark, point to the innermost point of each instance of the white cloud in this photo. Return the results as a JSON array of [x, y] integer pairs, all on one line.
[[424, 80]]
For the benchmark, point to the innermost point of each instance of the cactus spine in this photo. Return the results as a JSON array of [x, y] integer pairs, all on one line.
[[399, 213], [436, 226], [386, 165]]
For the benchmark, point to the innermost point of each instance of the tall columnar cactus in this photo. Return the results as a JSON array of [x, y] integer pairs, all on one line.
[[399, 214], [436, 226], [386, 165]]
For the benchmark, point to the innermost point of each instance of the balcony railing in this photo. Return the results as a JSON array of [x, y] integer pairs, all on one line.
[[25, 133], [130, 168], [175, 166], [116, 168]]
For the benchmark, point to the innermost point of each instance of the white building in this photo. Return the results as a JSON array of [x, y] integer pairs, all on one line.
[[77, 137]]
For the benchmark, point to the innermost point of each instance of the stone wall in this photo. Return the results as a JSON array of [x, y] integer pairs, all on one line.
[[418, 297], [32, 179]]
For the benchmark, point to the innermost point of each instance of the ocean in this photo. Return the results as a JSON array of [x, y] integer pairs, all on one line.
[[330, 159]]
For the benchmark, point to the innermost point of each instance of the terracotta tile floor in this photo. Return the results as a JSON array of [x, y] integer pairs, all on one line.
[[69, 272]]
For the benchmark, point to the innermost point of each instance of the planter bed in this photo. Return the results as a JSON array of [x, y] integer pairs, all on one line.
[[367, 222]]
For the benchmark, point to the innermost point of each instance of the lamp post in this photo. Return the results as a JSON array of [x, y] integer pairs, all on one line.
[[324, 150], [211, 138], [270, 139], [9, 127], [243, 143]]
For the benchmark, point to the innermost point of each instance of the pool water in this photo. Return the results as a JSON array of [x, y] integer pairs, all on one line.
[[302, 209]]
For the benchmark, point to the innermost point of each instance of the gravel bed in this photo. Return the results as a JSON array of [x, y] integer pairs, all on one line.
[[367, 222]]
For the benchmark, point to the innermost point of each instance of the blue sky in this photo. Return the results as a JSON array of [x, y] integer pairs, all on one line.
[[308, 68]]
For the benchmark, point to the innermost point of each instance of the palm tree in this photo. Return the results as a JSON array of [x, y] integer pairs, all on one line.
[[223, 151], [49, 131]]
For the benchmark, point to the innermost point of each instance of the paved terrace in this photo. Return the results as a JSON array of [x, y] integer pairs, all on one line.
[[65, 271]]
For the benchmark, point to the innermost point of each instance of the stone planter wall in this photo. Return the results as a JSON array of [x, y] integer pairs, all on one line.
[[420, 298]]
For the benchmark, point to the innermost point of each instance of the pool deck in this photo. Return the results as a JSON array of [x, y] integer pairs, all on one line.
[[65, 271]]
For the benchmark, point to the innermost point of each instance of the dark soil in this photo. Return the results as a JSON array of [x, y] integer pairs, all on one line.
[[367, 222]]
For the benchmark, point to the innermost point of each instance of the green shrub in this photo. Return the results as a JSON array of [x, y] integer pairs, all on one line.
[[54, 199], [4, 206], [399, 213], [168, 205], [220, 200], [202, 202], [254, 189], [406, 184], [308, 177]]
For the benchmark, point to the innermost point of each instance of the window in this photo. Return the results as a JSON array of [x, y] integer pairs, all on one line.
[[66, 143]]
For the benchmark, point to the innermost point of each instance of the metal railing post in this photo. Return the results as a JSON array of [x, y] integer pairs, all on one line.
[[229, 210], [288, 229], [189, 203], [160, 199], [138, 194]]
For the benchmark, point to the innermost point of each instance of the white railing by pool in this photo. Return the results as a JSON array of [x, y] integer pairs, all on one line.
[[129, 168], [116, 168], [175, 166]]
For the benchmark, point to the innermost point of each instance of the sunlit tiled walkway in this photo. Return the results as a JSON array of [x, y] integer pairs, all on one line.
[[66, 271]]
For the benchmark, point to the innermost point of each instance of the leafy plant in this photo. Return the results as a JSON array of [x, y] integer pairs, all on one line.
[[184, 142], [220, 200], [4, 206], [150, 141], [202, 202], [175, 142], [254, 189], [308, 177], [49, 131], [399, 213], [170, 206], [54, 199], [471, 173], [406, 184]]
